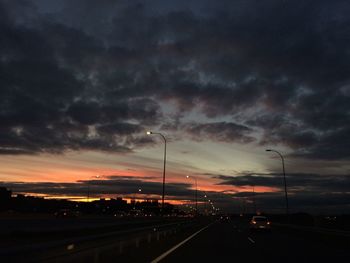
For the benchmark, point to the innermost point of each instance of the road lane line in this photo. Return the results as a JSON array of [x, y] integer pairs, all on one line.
[[179, 245], [251, 240]]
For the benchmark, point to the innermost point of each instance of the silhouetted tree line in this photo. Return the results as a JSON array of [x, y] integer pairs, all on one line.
[[118, 206]]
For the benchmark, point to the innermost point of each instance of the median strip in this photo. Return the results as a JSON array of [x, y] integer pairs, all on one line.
[[158, 259]]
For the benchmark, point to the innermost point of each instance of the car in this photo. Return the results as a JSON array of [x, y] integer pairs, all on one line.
[[260, 223], [225, 218]]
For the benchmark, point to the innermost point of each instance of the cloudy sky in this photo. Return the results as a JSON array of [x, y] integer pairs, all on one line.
[[82, 81]]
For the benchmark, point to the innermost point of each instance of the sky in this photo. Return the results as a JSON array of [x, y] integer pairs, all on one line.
[[82, 81]]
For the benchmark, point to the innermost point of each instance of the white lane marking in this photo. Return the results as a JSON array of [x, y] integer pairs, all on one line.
[[178, 245], [251, 240]]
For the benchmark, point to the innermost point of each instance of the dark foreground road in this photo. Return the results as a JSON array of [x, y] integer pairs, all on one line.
[[187, 240], [233, 242]]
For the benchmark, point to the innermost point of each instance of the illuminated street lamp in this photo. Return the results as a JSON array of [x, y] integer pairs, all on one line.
[[163, 192], [284, 177], [195, 179], [210, 203], [88, 193]]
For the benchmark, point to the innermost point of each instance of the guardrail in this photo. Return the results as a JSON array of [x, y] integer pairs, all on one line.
[[91, 248]]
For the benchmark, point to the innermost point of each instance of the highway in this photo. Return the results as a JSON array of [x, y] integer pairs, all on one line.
[[189, 240], [233, 242]]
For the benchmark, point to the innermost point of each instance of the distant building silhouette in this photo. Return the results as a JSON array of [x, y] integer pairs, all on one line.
[[5, 194], [5, 198]]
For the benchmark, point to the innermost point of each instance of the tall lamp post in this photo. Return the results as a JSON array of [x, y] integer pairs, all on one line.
[[205, 204], [163, 192], [139, 190], [195, 179], [284, 178]]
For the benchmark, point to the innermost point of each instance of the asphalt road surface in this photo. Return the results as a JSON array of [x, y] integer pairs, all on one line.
[[203, 240], [233, 242]]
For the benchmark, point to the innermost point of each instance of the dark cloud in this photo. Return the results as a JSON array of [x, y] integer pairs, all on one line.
[[50, 96], [122, 186], [92, 75], [279, 129], [296, 181], [307, 192], [219, 131], [112, 186]]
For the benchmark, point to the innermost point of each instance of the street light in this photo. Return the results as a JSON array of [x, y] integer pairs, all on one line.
[[210, 203], [195, 179], [158, 133], [284, 177], [139, 190], [88, 193]]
